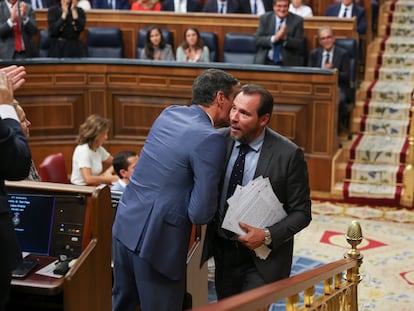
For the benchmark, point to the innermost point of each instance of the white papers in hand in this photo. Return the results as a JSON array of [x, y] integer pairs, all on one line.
[[254, 204]]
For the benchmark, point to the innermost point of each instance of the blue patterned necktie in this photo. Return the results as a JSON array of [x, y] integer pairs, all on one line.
[[222, 8], [255, 7], [345, 13], [276, 46], [236, 177]]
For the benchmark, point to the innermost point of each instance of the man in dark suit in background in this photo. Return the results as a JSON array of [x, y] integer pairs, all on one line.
[[271, 155], [17, 19], [256, 7], [41, 4], [111, 5], [222, 6], [279, 37], [15, 162], [181, 6], [329, 56], [347, 9], [174, 185]]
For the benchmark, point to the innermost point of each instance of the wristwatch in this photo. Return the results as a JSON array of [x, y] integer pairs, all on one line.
[[268, 237]]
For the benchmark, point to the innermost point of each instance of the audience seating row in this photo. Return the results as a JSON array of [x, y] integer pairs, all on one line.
[[106, 42]]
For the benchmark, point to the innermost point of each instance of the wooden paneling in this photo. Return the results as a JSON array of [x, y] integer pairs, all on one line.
[[131, 22], [133, 94]]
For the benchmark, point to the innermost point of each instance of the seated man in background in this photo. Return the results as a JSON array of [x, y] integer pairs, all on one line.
[[17, 27], [347, 9], [25, 123], [111, 5], [180, 6], [256, 7], [329, 56], [222, 6], [280, 36], [124, 163]]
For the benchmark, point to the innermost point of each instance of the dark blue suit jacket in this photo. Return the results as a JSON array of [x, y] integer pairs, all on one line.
[[233, 6], [192, 6], [246, 7], [174, 185], [358, 11], [15, 161], [119, 4], [45, 3]]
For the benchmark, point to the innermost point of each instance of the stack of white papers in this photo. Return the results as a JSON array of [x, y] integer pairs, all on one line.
[[256, 205]]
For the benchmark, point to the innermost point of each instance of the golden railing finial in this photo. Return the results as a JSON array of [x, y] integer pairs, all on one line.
[[354, 238]]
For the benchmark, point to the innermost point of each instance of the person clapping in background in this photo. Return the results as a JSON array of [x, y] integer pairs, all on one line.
[[155, 46], [66, 23]]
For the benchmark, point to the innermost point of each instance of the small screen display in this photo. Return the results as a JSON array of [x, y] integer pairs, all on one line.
[[32, 217]]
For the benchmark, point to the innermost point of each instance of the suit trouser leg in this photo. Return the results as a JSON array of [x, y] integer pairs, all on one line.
[[153, 290], [236, 271]]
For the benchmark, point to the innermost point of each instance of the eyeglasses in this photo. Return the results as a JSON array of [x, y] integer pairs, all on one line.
[[326, 38]]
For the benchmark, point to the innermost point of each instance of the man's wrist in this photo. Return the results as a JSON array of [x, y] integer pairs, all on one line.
[[268, 237]]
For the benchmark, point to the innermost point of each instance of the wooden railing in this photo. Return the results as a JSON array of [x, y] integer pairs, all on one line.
[[340, 287], [59, 94]]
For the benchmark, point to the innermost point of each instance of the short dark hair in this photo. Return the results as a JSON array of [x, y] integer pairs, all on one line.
[[266, 98], [120, 161], [208, 83]]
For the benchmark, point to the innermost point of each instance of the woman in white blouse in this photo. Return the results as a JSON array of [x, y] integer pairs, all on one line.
[[297, 7]]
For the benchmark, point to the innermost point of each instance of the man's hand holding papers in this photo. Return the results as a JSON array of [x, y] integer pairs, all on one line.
[[254, 206]]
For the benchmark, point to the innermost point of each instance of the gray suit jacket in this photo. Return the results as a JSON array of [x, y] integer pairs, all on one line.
[[284, 163], [290, 48], [7, 34]]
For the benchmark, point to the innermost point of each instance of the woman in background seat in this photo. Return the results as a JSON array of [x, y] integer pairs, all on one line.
[[155, 46], [91, 163], [193, 49], [146, 5]]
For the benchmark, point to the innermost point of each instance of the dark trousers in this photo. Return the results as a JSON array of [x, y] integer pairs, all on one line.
[[235, 268], [137, 283]]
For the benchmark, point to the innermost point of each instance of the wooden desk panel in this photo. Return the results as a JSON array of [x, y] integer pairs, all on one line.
[[131, 22], [37, 284], [132, 93]]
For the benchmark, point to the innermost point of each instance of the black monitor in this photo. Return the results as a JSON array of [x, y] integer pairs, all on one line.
[[32, 217]]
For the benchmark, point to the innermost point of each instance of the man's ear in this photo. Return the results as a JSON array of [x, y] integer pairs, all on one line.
[[122, 172], [264, 119]]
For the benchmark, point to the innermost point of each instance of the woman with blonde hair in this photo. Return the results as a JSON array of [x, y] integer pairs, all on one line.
[[91, 163]]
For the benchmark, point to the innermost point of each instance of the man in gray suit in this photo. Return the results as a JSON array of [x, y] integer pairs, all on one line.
[[279, 37], [271, 155], [174, 185], [17, 19]]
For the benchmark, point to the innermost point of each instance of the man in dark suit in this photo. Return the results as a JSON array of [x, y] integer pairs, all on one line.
[[173, 186], [329, 56], [222, 6], [271, 155], [111, 5], [17, 19], [181, 6], [256, 7], [15, 162], [347, 9], [280, 36], [41, 4]]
